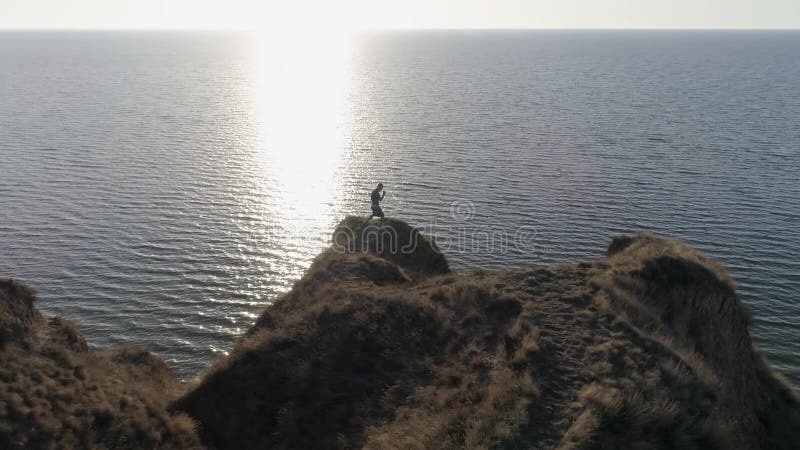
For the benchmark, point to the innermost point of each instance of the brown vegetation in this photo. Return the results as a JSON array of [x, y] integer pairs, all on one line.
[[647, 348], [374, 347], [55, 393]]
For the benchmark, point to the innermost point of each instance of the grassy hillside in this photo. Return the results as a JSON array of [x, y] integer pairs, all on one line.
[[55, 393], [380, 345], [646, 348]]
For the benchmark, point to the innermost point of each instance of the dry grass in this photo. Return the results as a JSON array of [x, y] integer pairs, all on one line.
[[648, 348], [375, 354], [55, 393], [672, 295]]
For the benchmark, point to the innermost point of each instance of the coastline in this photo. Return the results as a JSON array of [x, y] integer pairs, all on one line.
[[374, 348]]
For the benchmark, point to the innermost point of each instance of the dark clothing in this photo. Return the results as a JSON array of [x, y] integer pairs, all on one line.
[[376, 198], [376, 204]]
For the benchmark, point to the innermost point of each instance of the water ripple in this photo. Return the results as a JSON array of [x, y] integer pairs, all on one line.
[[163, 204]]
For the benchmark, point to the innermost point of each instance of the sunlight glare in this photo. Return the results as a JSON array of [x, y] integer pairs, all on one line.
[[302, 84]]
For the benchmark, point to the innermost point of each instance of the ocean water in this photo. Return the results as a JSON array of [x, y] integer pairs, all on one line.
[[162, 188]]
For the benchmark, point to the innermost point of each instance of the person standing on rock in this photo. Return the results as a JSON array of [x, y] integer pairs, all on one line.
[[376, 203]]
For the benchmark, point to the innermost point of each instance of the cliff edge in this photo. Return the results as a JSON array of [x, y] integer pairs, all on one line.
[[56, 393], [379, 345]]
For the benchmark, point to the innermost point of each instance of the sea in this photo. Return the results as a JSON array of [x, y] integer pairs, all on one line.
[[162, 188]]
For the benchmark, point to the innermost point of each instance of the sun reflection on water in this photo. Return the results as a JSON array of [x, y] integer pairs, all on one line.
[[302, 85]]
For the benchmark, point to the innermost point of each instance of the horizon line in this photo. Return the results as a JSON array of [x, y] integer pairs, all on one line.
[[189, 29]]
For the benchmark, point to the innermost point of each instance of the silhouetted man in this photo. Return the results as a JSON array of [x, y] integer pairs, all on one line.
[[376, 203]]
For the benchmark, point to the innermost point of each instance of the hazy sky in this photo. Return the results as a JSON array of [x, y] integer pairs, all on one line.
[[349, 14]]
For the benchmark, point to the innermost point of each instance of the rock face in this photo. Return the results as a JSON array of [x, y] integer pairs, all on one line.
[[377, 347], [56, 393], [395, 241]]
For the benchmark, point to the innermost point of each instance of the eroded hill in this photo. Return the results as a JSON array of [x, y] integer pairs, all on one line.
[[380, 345], [646, 348], [55, 393]]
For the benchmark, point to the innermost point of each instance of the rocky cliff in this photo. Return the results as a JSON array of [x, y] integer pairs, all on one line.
[[380, 345]]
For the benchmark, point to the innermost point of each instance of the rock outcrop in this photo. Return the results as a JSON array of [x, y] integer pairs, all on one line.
[[376, 348], [380, 345]]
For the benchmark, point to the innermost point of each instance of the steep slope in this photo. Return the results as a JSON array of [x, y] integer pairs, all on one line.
[[56, 393], [380, 346]]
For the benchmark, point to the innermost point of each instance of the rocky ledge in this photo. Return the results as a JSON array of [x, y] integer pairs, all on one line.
[[380, 345]]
